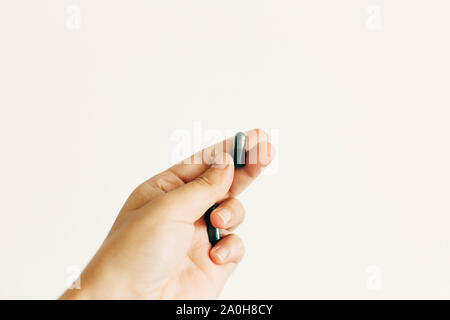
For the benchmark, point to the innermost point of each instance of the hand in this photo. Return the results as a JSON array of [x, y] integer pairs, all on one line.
[[158, 247]]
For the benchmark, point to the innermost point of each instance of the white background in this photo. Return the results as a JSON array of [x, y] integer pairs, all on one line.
[[359, 206]]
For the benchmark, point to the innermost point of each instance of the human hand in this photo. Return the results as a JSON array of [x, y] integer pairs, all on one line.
[[158, 247]]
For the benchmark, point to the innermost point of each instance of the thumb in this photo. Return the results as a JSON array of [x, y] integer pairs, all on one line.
[[190, 201]]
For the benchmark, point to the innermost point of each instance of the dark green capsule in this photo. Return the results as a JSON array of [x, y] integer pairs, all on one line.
[[240, 142], [214, 234]]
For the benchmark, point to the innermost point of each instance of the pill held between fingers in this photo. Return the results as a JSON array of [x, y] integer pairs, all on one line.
[[214, 234], [240, 142]]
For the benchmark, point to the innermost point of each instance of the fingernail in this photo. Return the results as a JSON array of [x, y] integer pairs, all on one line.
[[221, 252], [224, 214], [220, 161]]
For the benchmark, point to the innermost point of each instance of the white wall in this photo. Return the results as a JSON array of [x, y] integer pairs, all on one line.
[[358, 207]]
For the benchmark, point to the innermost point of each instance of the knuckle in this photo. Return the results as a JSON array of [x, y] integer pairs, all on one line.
[[141, 193], [166, 181], [204, 181]]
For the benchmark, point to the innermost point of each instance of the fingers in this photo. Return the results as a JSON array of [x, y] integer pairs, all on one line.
[[259, 154], [229, 249], [195, 165], [228, 215], [190, 201]]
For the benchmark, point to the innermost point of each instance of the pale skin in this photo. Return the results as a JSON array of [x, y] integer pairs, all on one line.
[[158, 247]]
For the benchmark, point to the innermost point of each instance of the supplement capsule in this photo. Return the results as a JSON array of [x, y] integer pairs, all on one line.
[[214, 234], [240, 142]]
